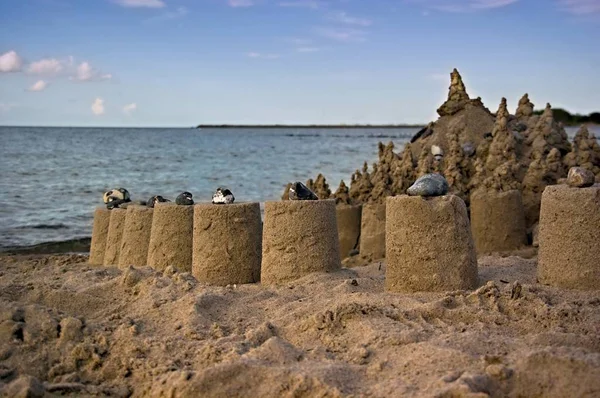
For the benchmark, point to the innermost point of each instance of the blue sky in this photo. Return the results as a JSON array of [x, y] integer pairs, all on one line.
[[184, 62]]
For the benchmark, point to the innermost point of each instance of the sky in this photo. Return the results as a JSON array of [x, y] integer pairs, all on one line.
[[181, 63]]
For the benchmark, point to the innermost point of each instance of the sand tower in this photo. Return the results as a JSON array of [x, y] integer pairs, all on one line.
[[348, 227], [569, 237], [299, 237], [227, 243], [99, 235], [172, 236], [498, 221], [114, 237], [428, 244], [136, 236], [372, 231]]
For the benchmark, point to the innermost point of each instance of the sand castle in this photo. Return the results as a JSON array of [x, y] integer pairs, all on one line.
[[299, 237], [227, 243], [99, 235], [136, 236], [114, 236], [171, 237], [569, 235]]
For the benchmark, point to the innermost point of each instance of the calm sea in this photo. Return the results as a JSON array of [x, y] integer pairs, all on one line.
[[53, 178]]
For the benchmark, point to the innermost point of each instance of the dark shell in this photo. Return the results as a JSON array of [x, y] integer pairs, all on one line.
[[299, 191], [429, 185], [184, 199]]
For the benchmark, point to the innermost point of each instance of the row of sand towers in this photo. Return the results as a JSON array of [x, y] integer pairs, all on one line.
[[428, 242]]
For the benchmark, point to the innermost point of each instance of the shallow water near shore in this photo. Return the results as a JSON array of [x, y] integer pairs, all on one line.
[[52, 178]]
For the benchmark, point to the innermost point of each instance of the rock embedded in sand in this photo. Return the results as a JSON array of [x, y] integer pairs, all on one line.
[[99, 235], [299, 238], [114, 237], [580, 178], [171, 237], [227, 244], [497, 221], [429, 185], [429, 246], [569, 237]]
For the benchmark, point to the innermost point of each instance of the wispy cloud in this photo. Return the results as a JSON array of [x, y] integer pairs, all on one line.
[[343, 35], [129, 108], [47, 66], [580, 7], [344, 18], [98, 107], [308, 49], [240, 3], [40, 85], [5, 107], [262, 56], [462, 5], [10, 62], [179, 12], [140, 3], [85, 73], [313, 4]]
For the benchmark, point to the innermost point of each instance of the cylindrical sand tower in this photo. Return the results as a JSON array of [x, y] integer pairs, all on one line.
[[348, 226], [569, 237], [498, 221], [136, 236], [299, 237], [99, 234], [429, 245], [372, 231], [172, 237], [113, 239], [227, 243]]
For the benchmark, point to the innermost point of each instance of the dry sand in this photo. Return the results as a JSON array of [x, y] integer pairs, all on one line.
[[70, 328]]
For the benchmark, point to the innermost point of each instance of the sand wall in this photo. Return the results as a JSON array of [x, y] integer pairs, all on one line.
[[227, 243], [136, 236], [171, 238], [114, 237], [348, 227], [299, 237], [99, 235], [569, 237], [498, 221], [372, 231], [429, 245]]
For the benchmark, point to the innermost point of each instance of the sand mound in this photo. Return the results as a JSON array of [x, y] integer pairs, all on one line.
[[69, 328]]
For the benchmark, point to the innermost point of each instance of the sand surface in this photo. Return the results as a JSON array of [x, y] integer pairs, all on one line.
[[68, 328]]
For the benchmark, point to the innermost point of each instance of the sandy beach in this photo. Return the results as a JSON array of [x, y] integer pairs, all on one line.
[[68, 328]]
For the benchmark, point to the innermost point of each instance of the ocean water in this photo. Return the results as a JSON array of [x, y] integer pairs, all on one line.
[[53, 178]]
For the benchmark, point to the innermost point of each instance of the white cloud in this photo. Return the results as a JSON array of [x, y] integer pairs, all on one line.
[[179, 12], [141, 3], [240, 3], [10, 62], [580, 7], [263, 56], [98, 107], [38, 86], [129, 108], [47, 66], [342, 17], [85, 73], [462, 5], [345, 35]]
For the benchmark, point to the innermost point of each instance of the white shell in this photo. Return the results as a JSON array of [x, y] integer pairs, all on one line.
[[437, 151]]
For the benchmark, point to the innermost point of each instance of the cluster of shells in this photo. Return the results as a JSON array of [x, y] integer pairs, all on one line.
[[475, 149]]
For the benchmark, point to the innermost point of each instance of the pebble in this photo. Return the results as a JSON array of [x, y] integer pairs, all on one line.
[[429, 185], [580, 178], [469, 149]]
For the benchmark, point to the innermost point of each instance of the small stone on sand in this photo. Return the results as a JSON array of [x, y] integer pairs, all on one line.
[[580, 178], [429, 185]]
